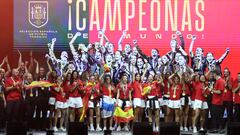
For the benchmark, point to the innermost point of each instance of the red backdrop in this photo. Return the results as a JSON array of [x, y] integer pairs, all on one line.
[[221, 31]]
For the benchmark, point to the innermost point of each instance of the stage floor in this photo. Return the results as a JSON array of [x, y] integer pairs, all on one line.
[[101, 133]]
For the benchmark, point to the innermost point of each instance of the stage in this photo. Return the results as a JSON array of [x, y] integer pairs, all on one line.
[[101, 133]]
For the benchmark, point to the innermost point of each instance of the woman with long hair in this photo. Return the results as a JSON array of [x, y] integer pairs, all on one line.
[[75, 100], [93, 104], [107, 103], [124, 97], [174, 103], [200, 103], [138, 98]]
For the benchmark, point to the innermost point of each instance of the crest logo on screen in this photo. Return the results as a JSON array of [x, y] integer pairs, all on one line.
[[38, 13]]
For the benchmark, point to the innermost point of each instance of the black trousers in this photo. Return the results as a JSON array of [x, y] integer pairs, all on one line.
[[237, 113], [13, 110], [228, 105], [41, 113], [217, 116], [2, 114], [30, 109]]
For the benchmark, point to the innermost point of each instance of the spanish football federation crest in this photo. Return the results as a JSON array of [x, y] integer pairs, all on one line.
[[38, 13]]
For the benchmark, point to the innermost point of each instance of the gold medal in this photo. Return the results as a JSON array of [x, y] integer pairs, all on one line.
[[91, 97], [42, 88], [183, 93], [174, 96], [31, 95], [225, 90]]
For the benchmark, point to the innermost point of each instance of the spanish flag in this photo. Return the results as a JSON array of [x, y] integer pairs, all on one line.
[[146, 90], [35, 84], [123, 115], [89, 86]]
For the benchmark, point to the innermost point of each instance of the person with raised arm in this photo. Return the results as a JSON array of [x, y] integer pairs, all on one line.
[[174, 102], [214, 64], [198, 62]]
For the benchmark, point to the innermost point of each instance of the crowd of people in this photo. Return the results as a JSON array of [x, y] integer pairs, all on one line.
[[186, 87]]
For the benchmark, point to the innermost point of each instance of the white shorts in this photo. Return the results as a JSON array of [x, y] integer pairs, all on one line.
[[198, 104], [61, 105], [183, 101], [75, 102], [120, 103], [138, 102], [52, 101], [91, 104], [156, 102], [165, 101], [161, 102], [174, 104], [192, 104]]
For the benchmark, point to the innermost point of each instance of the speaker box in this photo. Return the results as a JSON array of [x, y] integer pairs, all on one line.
[[16, 128], [76, 128], [142, 128], [169, 128], [233, 128]]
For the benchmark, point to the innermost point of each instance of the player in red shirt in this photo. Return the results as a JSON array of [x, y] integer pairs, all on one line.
[[14, 87], [74, 94], [93, 104], [108, 92], [174, 103], [236, 91], [217, 102], [228, 94], [61, 105], [200, 104], [124, 96], [185, 100], [138, 99], [152, 103]]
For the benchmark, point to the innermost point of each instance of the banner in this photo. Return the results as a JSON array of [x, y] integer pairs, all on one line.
[[152, 22]]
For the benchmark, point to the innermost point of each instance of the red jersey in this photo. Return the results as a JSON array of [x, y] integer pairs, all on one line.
[[124, 91], [199, 91], [137, 89], [228, 94], [76, 91], [187, 89], [166, 89], [217, 99], [14, 94], [177, 94], [237, 94], [60, 95], [93, 90], [107, 91], [155, 89]]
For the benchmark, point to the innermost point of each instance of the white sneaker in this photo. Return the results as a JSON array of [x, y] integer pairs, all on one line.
[[195, 130], [111, 128], [119, 128], [62, 129], [126, 128], [185, 129], [104, 128], [98, 128], [154, 129], [202, 129], [91, 128], [157, 129], [190, 128], [55, 129], [181, 128]]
